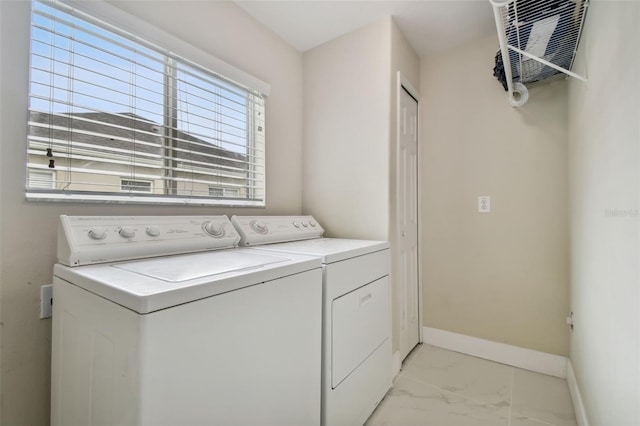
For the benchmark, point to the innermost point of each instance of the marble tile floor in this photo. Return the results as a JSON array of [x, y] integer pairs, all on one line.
[[437, 387]]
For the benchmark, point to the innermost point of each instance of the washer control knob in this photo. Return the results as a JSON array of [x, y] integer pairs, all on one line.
[[127, 232], [152, 231], [259, 227], [305, 224], [98, 233], [215, 231], [312, 223], [296, 224]]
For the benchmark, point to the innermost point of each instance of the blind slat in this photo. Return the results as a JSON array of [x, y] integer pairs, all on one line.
[[203, 78], [186, 168], [83, 171], [216, 141], [228, 101], [134, 147]]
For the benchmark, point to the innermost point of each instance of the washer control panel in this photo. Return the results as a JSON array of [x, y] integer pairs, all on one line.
[[257, 230], [84, 240]]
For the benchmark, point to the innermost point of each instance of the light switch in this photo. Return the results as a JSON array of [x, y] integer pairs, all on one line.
[[484, 204]]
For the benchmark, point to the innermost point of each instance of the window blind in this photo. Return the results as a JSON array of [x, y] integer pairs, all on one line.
[[107, 107]]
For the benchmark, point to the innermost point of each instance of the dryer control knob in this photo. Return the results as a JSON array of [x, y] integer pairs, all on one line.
[[153, 231], [98, 233], [296, 224], [127, 232], [259, 227], [210, 228], [312, 223]]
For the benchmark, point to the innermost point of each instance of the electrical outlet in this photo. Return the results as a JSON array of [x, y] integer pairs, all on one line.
[[46, 301], [484, 204]]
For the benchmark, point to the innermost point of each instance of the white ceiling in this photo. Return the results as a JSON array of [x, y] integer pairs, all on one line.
[[430, 26]]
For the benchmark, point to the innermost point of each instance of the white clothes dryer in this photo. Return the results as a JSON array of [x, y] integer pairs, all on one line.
[[191, 332], [356, 351]]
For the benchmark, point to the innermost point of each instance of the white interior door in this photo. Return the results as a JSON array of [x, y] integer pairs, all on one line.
[[407, 247]]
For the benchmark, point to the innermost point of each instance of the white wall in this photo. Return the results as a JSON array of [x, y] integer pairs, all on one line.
[[501, 276], [346, 133], [349, 129], [29, 229], [604, 148]]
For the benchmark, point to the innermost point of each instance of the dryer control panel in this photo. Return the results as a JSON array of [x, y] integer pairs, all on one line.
[[257, 230], [85, 240]]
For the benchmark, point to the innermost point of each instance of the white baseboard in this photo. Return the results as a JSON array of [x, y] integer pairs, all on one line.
[[528, 359], [396, 364], [576, 396]]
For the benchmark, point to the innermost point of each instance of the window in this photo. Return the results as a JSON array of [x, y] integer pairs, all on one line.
[[41, 179], [215, 191], [111, 114], [233, 192], [127, 185]]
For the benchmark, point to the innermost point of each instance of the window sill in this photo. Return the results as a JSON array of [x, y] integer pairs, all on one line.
[[110, 198]]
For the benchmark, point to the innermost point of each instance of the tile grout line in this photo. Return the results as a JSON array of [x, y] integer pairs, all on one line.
[[511, 396], [405, 374], [541, 421], [459, 395]]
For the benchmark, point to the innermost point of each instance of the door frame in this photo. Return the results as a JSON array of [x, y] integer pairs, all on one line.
[[402, 83]]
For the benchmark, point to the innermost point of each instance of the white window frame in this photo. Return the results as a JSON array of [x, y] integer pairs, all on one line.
[[124, 21]]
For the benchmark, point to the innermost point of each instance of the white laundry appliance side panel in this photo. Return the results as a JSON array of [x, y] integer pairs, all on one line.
[[355, 399], [360, 323], [347, 275], [257, 347], [95, 360]]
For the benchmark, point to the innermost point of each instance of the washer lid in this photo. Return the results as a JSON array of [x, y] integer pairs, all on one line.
[[330, 249], [183, 268], [145, 286]]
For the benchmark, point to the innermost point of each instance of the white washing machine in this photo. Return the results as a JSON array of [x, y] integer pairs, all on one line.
[[356, 353], [192, 332]]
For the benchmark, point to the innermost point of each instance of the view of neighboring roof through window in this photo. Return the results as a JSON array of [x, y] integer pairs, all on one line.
[[108, 109]]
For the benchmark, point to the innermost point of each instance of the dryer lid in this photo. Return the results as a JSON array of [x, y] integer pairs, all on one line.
[[330, 249]]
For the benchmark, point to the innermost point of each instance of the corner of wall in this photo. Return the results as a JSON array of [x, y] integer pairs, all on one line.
[[576, 396]]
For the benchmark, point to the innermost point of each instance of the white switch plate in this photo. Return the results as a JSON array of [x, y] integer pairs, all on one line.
[[46, 301], [484, 204]]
